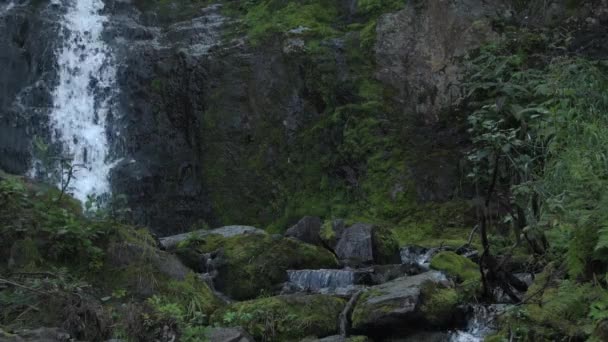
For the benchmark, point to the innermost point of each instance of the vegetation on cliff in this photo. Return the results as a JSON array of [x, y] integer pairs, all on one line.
[[532, 201]]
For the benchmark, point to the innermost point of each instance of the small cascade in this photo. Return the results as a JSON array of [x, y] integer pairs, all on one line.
[[321, 280], [418, 255], [82, 99], [482, 322]]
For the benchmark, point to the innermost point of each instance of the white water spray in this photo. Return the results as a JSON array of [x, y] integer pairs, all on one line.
[[82, 99], [5, 8]]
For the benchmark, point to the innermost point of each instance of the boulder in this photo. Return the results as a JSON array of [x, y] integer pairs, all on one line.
[[284, 318], [406, 305], [252, 264], [236, 334], [131, 258], [362, 244], [171, 242], [356, 244], [308, 230]]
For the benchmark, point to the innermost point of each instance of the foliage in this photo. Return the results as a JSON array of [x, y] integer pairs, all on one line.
[[283, 318], [543, 122], [39, 214], [538, 120]]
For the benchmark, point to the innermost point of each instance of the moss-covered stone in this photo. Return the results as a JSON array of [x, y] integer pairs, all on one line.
[[439, 303], [386, 247], [461, 268], [406, 300], [284, 318], [256, 263]]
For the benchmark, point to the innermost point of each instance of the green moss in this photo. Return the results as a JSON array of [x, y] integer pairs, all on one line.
[[256, 263], [192, 295], [268, 17], [497, 338], [463, 269], [284, 318], [435, 224], [386, 247], [439, 304], [327, 231], [361, 313]]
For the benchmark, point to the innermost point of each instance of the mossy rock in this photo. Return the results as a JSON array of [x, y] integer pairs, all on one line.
[[254, 264], [439, 304], [406, 304], [386, 247], [458, 267], [284, 318]]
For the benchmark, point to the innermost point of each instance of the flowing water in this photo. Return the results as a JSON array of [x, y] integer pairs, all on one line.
[[482, 323], [418, 255], [83, 97], [321, 280]]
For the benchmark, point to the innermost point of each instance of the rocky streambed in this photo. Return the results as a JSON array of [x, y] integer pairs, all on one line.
[[338, 282]]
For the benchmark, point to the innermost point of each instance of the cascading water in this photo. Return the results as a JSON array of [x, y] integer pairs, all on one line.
[[321, 280], [82, 98], [418, 255], [483, 322]]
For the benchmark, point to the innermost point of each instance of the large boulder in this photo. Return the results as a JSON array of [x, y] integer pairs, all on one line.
[[284, 318], [171, 242], [127, 254], [308, 230], [406, 305], [364, 243], [252, 264], [356, 244]]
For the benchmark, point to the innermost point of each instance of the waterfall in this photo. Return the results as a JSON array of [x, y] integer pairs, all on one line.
[[82, 98], [319, 280]]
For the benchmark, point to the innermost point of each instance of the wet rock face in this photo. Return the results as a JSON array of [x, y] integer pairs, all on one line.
[[417, 52], [163, 77], [192, 108], [27, 44]]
